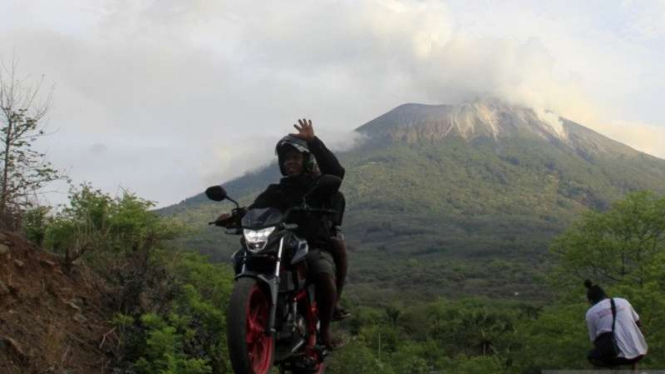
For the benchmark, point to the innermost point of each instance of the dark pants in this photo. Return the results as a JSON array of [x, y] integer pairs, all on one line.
[[320, 261], [597, 360], [338, 251]]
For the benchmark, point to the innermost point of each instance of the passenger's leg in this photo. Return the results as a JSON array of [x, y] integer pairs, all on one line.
[[322, 273], [341, 264], [326, 296]]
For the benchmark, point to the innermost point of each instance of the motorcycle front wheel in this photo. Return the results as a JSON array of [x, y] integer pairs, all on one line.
[[251, 350]]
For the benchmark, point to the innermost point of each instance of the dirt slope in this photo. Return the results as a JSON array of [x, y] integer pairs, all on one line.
[[51, 321]]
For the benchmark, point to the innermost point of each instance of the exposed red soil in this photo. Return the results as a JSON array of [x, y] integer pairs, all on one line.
[[51, 320]]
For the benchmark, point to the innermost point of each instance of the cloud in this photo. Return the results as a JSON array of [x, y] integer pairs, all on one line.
[[202, 90], [343, 141], [646, 19], [98, 148], [235, 159], [644, 137], [247, 154]]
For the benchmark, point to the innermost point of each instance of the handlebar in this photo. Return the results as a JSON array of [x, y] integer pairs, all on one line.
[[232, 222]]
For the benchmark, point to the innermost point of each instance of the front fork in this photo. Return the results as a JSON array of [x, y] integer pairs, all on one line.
[[274, 289], [272, 282]]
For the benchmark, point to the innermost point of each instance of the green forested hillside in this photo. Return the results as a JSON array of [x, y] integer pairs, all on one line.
[[165, 307], [452, 207], [468, 245]]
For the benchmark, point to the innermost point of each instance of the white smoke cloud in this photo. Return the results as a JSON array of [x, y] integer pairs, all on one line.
[[237, 159], [552, 120], [247, 154], [343, 141]]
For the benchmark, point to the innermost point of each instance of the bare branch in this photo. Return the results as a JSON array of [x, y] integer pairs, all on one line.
[[23, 106]]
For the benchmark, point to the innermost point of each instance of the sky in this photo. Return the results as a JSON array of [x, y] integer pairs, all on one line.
[[164, 98]]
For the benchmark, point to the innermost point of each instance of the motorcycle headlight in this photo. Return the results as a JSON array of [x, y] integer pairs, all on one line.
[[256, 239]]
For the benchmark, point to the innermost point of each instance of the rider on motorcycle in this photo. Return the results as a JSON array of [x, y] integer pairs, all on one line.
[[298, 156]]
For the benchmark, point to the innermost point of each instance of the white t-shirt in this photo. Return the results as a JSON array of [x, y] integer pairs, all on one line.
[[628, 336]]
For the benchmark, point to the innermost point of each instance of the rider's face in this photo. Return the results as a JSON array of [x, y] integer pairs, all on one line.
[[293, 163]]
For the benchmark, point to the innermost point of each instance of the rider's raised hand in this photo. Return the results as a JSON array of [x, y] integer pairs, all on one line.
[[305, 130]]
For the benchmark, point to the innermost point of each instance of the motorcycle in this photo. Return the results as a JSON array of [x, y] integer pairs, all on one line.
[[272, 317]]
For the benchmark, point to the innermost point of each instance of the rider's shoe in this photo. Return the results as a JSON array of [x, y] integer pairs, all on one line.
[[340, 314]]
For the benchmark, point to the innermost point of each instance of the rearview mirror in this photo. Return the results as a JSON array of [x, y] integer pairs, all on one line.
[[216, 193]]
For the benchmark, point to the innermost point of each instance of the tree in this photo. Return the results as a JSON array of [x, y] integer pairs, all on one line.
[[111, 228], [626, 244], [34, 224], [23, 170], [622, 249]]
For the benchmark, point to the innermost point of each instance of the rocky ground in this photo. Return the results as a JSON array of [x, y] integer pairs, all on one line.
[[52, 320]]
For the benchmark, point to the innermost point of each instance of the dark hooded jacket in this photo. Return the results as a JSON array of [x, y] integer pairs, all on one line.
[[289, 193]]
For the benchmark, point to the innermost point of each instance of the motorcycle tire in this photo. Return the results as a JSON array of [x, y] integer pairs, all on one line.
[[250, 349]]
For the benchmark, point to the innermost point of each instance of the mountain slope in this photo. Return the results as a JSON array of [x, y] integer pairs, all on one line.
[[446, 198]]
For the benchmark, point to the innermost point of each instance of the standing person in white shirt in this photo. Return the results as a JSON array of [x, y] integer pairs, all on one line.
[[599, 318]]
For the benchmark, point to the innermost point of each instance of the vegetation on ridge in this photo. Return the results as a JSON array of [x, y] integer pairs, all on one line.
[[176, 324], [453, 203], [450, 269]]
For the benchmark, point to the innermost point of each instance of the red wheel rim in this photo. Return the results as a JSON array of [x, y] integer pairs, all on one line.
[[259, 345]]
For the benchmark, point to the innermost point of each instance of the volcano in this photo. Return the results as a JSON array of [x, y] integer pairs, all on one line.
[[452, 199]]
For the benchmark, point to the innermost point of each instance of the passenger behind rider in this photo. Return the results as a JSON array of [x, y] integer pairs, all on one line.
[[338, 248], [298, 155]]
